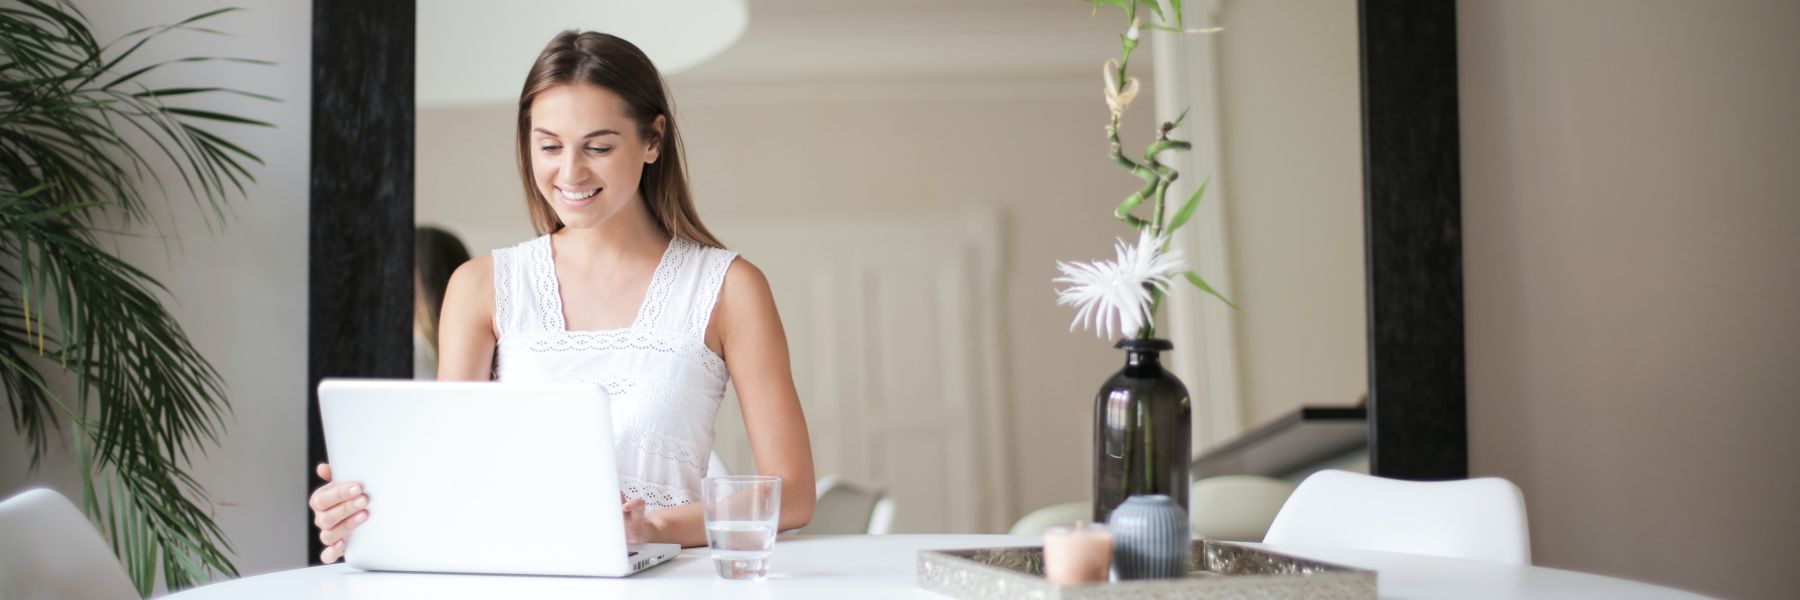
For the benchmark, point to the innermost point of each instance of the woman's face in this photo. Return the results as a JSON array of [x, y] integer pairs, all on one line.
[[587, 156]]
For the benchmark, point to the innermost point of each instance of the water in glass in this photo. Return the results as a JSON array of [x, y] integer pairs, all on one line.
[[741, 522]]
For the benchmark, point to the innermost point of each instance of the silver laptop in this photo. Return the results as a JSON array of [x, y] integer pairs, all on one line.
[[482, 478]]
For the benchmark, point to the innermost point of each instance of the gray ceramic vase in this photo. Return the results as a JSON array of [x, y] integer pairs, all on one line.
[[1150, 538]]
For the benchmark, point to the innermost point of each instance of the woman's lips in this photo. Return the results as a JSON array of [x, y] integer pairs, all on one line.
[[577, 198]]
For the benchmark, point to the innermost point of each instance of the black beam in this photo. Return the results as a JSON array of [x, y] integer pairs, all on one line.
[[1418, 426], [360, 282]]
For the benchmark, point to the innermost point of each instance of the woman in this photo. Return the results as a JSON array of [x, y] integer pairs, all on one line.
[[624, 288]]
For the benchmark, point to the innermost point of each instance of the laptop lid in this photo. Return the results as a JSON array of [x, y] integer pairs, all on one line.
[[478, 477]]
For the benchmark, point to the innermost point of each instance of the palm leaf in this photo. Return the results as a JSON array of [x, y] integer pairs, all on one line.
[[144, 398]]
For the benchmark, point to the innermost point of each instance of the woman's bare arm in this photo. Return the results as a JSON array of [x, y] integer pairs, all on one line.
[[747, 328], [466, 323]]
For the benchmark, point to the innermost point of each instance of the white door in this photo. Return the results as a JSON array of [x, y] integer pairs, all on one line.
[[893, 325]]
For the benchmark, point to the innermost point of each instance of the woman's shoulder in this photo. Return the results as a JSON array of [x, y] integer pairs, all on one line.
[[477, 273], [745, 286]]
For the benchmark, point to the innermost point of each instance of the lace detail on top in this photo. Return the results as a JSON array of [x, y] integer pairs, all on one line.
[[656, 496], [646, 443], [503, 290], [543, 284], [621, 339], [662, 282], [714, 279]]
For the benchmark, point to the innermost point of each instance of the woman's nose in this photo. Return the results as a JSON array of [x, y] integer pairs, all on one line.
[[573, 167]]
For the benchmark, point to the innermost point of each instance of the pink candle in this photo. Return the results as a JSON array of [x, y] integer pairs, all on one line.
[[1077, 555]]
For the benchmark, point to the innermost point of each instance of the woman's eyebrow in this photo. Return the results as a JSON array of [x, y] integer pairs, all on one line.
[[590, 135]]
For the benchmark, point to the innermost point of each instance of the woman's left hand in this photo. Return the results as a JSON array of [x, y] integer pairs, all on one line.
[[637, 525]]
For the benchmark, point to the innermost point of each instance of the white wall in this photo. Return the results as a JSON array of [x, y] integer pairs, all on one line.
[[1291, 127], [241, 294], [1631, 223]]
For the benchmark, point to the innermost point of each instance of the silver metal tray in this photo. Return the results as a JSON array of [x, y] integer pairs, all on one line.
[[1218, 570]]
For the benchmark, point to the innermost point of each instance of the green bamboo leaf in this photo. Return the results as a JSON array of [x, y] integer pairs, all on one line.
[[1154, 6], [1187, 210], [1194, 278]]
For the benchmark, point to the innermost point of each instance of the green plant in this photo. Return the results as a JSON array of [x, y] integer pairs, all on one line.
[[1126, 293], [84, 335]]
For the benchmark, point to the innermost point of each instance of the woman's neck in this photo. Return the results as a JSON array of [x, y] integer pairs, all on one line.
[[629, 232]]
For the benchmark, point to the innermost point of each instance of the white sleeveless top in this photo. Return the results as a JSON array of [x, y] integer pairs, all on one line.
[[665, 383]]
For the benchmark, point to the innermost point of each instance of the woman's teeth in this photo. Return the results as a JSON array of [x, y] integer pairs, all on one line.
[[570, 195]]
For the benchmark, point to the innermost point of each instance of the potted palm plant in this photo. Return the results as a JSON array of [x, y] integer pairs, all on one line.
[[85, 340]]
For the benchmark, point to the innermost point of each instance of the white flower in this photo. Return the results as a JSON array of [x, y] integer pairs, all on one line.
[[1113, 296], [1118, 98]]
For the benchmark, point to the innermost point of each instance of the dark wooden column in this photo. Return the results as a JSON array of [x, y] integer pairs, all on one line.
[[360, 276], [1413, 218]]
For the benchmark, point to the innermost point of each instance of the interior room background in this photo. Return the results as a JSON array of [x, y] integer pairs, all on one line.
[[1630, 219]]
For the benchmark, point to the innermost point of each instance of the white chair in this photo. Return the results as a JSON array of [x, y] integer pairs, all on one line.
[[48, 550], [1474, 518], [1235, 507], [715, 466], [847, 508], [1044, 518]]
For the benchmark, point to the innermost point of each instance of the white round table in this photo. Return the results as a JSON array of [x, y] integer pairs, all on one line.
[[870, 567]]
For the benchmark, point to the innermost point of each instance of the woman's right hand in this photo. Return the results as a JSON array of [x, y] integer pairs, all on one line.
[[338, 508]]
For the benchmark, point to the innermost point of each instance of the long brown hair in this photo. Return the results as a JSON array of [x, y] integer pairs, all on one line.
[[436, 254], [610, 62]]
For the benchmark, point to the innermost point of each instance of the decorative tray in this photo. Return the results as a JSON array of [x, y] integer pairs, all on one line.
[[1218, 570]]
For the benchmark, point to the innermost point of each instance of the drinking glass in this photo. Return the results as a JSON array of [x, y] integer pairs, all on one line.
[[741, 519]]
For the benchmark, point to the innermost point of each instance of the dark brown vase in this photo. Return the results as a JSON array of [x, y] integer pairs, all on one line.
[[1142, 425]]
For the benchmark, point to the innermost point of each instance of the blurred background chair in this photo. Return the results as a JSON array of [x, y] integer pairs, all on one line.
[[1235, 507], [848, 508], [715, 466], [1229, 507], [1481, 519], [1038, 520], [48, 550]]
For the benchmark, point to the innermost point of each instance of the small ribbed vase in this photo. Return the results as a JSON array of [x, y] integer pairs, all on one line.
[[1150, 538]]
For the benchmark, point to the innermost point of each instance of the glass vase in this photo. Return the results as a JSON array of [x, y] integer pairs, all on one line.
[[1142, 425]]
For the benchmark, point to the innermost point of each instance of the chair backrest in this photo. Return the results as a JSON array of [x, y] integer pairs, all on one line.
[[1236, 507], [881, 521], [715, 466], [1473, 518], [1044, 518], [843, 508], [48, 550]]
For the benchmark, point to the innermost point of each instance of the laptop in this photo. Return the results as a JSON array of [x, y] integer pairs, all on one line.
[[482, 478]]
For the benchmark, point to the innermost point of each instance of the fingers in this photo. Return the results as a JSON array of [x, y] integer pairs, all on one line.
[[324, 471], [332, 552], [334, 535], [336, 514], [333, 494], [634, 521]]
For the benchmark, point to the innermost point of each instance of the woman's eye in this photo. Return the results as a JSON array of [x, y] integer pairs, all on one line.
[[550, 148], [599, 150]]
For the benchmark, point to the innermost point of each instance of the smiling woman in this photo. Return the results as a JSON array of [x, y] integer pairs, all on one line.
[[619, 242], [623, 105]]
